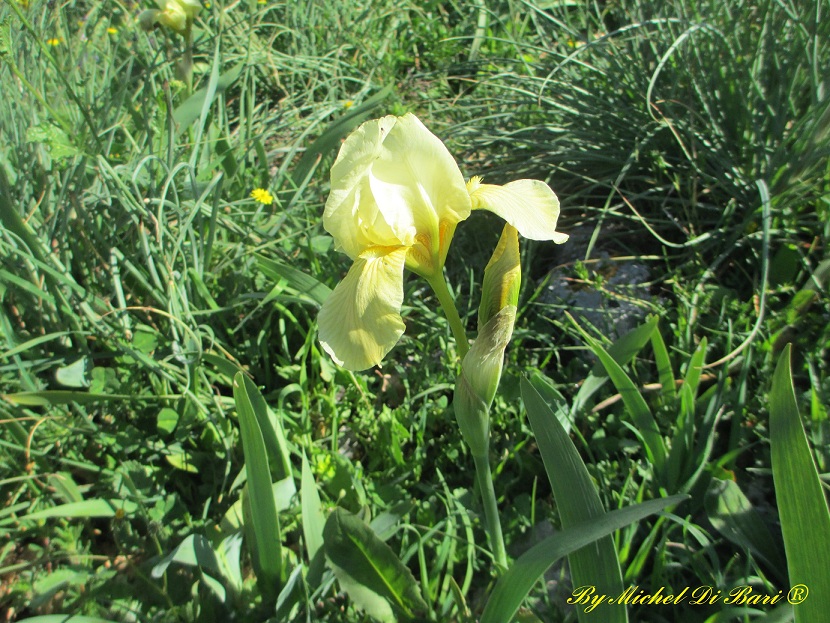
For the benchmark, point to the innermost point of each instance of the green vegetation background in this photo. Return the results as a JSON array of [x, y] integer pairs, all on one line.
[[687, 141]]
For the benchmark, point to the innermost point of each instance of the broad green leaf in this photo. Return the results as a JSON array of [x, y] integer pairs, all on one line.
[[732, 514], [85, 509], [313, 523], [51, 397], [63, 618], [514, 586], [683, 435], [578, 503], [739, 614], [227, 156], [293, 593], [680, 443], [802, 506], [363, 597], [664, 368], [299, 281], [215, 586], [46, 586], [285, 491], [354, 547], [60, 145], [264, 519], [182, 461], [692, 378], [233, 519], [622, 351], [553, 398], [272, 434], [225, 366], [191, 109], [229, 554], [635, 404], [76, 374], [66, 487], [166, 420], [194, 551]]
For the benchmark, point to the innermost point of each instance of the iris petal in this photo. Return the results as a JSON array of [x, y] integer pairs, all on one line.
[[352, 215], [361, 321], [416, 181], [529, 205]]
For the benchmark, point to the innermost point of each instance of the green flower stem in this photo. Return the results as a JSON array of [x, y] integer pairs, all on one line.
[[187, 61], [439, 286], [491, 511], [483, 474]]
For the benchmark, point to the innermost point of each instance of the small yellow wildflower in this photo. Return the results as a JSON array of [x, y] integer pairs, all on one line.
[[261, 1], [54, 41], [112, 30], [348, 104], [263, 196]]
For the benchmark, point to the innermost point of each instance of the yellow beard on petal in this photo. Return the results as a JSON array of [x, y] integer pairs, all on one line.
[[419, 258]]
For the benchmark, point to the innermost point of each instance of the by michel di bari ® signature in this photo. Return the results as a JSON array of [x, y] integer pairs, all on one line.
[[589, 598]]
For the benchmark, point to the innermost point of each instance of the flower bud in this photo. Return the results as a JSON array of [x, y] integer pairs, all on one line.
[[479, 379], [175, 14], [482, 365], [502, 277]]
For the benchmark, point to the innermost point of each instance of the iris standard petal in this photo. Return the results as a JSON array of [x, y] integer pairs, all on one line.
[[361, 320], [416, 181], [190, 7], [173, 16], [352, 215], [529, 205]]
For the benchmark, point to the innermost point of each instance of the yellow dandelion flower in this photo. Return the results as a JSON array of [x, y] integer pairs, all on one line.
[[54, 41], [263, 196], [348, 104], [112, 30]]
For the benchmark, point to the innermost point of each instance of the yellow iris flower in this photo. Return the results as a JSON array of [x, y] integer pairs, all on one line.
[[396, 198], [175, 14]]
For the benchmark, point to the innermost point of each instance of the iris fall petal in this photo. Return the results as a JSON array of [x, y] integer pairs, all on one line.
[[361, 320]]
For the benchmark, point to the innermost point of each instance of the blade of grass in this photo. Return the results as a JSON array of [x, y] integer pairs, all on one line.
[[732, 514], [622, 351], [578, 503], [664, 367], [635, 404], [86, 509], [515, 584], [802, 506], [313, 523], [263, 507]]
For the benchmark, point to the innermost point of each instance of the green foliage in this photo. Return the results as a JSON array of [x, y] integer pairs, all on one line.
[[261, 520], [579, 505], [805, 518], [360, 558]]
